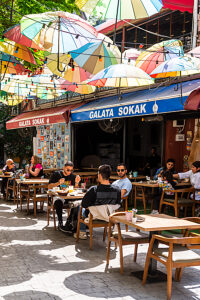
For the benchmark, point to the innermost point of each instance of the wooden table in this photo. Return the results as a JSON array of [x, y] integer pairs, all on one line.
[[154, 224], [73, 201], [28, 182], [145, 184]]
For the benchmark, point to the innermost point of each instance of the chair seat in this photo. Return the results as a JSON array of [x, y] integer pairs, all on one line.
[[131, 235], [180, 254], [41, 196], [180, 200]]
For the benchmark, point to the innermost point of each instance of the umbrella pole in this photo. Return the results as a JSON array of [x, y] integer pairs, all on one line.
[[58, 60], [114, 37]]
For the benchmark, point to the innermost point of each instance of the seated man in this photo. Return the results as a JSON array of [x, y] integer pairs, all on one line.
[[59, 178], [101, 194], [9, 167], [123, 183]]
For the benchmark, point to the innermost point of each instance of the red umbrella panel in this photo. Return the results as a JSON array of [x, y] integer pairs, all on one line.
[[14, 34]]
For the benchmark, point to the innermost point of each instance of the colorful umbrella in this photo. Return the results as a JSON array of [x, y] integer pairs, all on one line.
[[9, 64], [131, 53], [195, 52], [14, 34], [121, 75], [17, 50], [81, 88], [10, 100], [94, 57], [158, 53], [72, 72], [57, 32], [177, 66], [127, 9]]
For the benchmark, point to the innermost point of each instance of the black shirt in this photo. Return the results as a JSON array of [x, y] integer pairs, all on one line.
[[56, 176], [6, 169], [101, 195]]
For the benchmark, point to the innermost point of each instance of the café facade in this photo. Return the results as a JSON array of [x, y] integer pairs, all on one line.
[[120, 127]]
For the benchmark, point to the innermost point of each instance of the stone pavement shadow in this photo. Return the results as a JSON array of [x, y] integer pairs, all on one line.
[[113, 285], [31, 295], [31, 251], [14, 220]]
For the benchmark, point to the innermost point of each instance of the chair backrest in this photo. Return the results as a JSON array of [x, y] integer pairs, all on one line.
[[103, 212]]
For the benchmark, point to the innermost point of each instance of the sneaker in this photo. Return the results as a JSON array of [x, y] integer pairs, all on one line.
[[60, 225], [82, 235], [67, 228], [154, 212]]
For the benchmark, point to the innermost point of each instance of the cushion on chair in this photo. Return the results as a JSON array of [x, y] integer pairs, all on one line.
[[180, 254], [180, 200], [41, 196], [131, 235]]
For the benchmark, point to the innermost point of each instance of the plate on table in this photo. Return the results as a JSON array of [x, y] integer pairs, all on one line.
[[7, 173], [62, 193], [140, 219]]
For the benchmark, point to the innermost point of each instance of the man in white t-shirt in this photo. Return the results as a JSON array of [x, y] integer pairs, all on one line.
[[123, 182]]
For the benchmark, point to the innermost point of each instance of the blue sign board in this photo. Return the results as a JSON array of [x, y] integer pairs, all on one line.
[[128, 110]]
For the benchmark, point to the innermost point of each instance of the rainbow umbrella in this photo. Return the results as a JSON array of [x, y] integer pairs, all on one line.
[[121, 75], [72, 72], [81, 88], [57, 32], [17, 50], [9, 64], [94, 57], [125, 9], [195, 52], [177, 66], [14, 34], [158, 53], [9, 99]]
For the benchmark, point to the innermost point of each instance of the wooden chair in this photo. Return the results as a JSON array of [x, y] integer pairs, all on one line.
[[177, 255], [11, 186], [25, 193], [91, 224], [50, 207], [140, 195], [124, 238], [178, 200], [39, 195]]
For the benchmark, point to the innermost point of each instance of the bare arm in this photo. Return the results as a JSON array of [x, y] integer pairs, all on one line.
[[34, 173], [176, 176], [123, 192], [52, 185]]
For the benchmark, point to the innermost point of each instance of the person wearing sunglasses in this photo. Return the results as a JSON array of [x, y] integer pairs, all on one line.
[[9, 167], [123, 183], [58, 178]]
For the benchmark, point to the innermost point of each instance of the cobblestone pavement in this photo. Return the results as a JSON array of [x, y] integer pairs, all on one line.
[[37, 262]]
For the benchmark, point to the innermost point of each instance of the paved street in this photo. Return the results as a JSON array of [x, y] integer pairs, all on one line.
[[40, 263]]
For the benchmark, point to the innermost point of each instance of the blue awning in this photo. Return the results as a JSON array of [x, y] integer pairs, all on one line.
[[146, 102]]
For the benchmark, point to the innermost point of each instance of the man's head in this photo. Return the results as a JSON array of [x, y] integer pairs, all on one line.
[[153, 150], [121, 170], [170, 164], [68, 168], [104, 173], [10, 163]]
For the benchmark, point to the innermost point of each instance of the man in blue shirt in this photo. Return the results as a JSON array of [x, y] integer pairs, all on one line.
[[123, 182]]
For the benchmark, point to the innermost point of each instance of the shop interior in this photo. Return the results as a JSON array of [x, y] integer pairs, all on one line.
[[102, 142]]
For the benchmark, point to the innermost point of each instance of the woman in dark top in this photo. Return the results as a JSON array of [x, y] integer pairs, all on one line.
[[169, 166], [36, 169]]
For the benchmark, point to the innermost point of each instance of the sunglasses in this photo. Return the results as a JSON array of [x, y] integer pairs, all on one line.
[[68, 170], [120, 170]]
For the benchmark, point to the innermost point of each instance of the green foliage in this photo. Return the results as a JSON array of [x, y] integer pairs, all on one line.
[[17, 142]]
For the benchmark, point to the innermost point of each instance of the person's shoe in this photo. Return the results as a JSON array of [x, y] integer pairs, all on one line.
[[154, 212], [82, 235], [60, 225], [67, 228]]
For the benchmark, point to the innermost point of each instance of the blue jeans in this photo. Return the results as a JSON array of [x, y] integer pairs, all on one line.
[[82, 226]]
